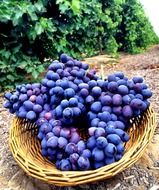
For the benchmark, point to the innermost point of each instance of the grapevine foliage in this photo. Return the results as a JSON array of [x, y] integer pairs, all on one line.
[[32, 30]]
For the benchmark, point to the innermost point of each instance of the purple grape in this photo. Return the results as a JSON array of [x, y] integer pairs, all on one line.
[[109, 160], [83, 163], [122, 89], [65, 165], [62, 142], [37, 108], [86, 153], [110, 150], [98, 164], [96, 91], [119, 74], [92, 83], [118, 157], [117, 100], [99, 132], [57, 130], [127, 111], [95, 122], [91, 143], [112, 86], [101, 142], [45, 128], [44, 143], [111, 78], [80, 146], [31, 115], [102, 124], [69, 93], [105, 116], [107, 109], [119, 125], [97, 154], [71, 148], [146, 93], [73, 102], [65, 132], [106, 100], [117, 110], [52, 142], [96, 107], [7, 104], [73, 158], [7, 95], [137, 79], [49, 135], [114, 139], [75, 138], [84, 92]]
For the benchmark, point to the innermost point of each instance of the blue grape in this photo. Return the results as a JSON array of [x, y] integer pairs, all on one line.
[[63, 58], [83, 163], [65, 132], [111, 78], [127, 111], [31, 115], [86, 153], [94, 122], [37, 108], [112, 86], [62, 142], [137, 79], [117, 100], [106, 100], [101, 142], [99, 132], [102, 124], [96, 107], [119, 74], [146, 93], [45, 128], [118, 157], [98, 154], [113, 138], [80, 146], [65, 165], [122, 89], [96, 91], [69, 93], [98, 164], [110, 150], [52, 142], [91, 142], [49, 135], [109, 160], [71, 148], [73, 158], [105, 116]]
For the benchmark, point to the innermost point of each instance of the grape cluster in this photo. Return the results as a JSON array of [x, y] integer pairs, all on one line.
[[71, 98]]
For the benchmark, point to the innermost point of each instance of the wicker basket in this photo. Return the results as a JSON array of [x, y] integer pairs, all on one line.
[[25, 148]]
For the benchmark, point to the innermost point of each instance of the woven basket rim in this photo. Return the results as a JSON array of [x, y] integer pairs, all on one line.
[[69, 178]]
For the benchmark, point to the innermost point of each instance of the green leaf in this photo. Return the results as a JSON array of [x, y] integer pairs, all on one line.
[[39, 29], [10, 77], [75, 6], [35, 74]]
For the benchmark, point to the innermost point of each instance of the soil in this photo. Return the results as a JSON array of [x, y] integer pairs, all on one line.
[[144, 175]]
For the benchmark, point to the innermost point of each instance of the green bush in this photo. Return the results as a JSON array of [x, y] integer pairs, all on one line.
[[34, 30]]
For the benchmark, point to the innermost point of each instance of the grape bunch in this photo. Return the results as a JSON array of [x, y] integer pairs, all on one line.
[[72, 98]]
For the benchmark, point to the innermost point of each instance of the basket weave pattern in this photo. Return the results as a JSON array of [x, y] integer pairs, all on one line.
[[25, 148]]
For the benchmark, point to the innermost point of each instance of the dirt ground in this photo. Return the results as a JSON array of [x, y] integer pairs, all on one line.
[[144, 175]]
